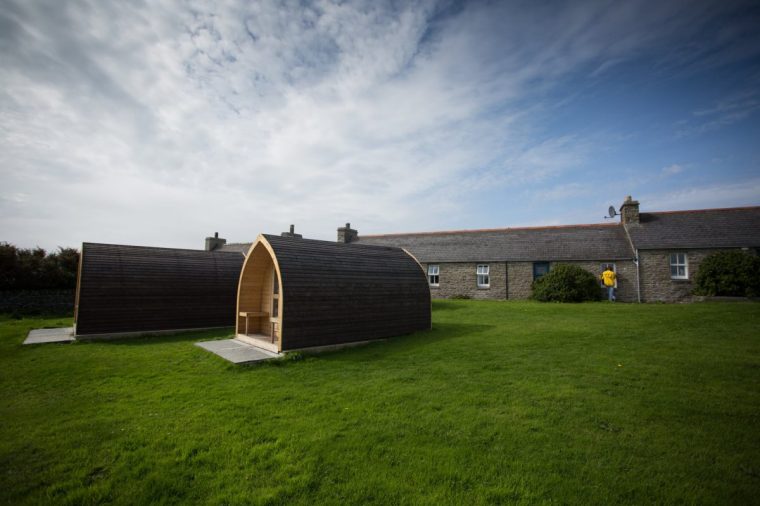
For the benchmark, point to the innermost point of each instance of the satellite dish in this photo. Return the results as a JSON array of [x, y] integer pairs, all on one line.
[[612, 212]]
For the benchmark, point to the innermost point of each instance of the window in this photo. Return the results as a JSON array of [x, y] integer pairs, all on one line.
[[433, 275], [679, 266], [484, 280], [539, 269], [604, 268]]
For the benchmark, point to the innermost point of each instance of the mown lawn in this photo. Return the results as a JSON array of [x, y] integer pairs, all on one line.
[[502, 402]]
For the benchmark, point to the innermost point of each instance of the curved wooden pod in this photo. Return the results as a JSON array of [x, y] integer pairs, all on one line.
[[329, 293], [134, 289]]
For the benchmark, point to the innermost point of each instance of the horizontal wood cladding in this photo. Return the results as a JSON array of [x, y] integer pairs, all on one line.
[[340, 293], [142, 289]]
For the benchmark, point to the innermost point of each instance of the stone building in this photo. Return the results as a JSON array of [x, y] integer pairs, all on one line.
[[671, 245], [655, 254]]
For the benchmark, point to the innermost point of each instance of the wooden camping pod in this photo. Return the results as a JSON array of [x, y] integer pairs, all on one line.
[[301, 293], [135, 289]]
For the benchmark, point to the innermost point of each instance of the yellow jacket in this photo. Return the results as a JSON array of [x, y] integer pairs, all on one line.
[[608, 277]]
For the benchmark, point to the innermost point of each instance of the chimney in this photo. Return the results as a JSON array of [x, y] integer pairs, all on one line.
[[292, 233], [347, 234], [629, 211], [214, 243]]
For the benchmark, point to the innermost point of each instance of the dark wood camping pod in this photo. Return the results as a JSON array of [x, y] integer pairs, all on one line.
[[301, 293], [136, 289]]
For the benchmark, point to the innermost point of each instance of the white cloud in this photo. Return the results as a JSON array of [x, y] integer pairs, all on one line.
[[565, 191], [731, 109], [672, 170], [709, 196], [163, 122]]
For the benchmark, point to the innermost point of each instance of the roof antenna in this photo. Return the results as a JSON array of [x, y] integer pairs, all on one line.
[[612, 213]]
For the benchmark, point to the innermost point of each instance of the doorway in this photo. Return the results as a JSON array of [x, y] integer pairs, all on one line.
[[259, 301]]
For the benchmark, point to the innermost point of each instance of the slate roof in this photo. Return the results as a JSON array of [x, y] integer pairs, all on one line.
[[706, 228], [565, 243], [238, 247]]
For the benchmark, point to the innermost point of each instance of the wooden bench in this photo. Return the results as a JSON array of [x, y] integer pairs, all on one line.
[[252, 314]]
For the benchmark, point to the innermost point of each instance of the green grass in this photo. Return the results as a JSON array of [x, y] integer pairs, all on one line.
[[502, 402]]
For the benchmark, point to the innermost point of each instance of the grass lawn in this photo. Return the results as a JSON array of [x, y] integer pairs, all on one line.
[[502, 402]]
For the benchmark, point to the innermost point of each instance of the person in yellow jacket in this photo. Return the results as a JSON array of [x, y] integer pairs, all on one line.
[[608, 279]]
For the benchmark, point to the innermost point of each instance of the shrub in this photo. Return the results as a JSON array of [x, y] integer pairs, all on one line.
[[34, 269], [460, 297], [732, 273], [566, 283]]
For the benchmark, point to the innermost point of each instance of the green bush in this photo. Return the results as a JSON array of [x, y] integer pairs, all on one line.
[[732, 273], [566, 283], [35, 269]]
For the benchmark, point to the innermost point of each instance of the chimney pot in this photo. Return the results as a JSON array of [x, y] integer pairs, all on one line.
[[347, 234], [292, 233], [629, 211], [214, 243]]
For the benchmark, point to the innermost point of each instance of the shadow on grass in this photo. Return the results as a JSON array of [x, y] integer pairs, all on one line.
[[446, 305], [38, 322], [444, 332], [404, 343], [179, 336], [34, 316]]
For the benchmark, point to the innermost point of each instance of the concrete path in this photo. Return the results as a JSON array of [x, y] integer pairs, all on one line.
[[40, 336], [236, 351]]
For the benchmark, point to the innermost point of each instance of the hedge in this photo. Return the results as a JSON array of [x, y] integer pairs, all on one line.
[[729, 273]]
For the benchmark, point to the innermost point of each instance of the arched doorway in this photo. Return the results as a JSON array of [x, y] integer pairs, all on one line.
[[259, 312]]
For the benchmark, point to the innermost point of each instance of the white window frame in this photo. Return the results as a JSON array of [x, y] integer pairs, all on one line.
[[674, 261], [614, 269], [483, 273], [434, 270]]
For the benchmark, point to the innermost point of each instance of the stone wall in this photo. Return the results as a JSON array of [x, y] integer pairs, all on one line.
[[460, 279], [513, 280], [37, 302], [656, 283], [626, 277], [520, 277]]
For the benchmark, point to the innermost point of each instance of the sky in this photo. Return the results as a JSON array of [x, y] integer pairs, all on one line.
[[161, 122]]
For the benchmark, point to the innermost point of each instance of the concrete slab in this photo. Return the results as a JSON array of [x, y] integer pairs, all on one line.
[[236, 351], [259, 341], [41, 336]]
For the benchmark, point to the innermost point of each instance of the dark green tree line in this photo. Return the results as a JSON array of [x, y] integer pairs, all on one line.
[[33, 269]]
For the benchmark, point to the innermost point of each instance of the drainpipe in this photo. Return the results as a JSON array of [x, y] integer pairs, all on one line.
[[635, 260], [638, 277]]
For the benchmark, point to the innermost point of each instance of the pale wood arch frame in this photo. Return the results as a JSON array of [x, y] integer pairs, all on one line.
[[424, 271], [255, 291]]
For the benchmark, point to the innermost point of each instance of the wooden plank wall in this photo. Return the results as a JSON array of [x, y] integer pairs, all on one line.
[[339, 293], [141, 289]]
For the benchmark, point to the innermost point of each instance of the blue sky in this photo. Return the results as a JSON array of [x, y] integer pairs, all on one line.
[[161, 122]]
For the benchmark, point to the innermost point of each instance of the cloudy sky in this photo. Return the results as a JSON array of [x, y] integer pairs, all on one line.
[[160, 122]]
